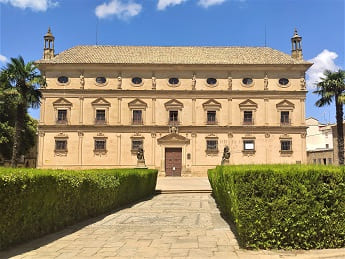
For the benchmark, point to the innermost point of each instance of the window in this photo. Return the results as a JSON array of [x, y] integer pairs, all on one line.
[[212, 145], [283, 81], [285, 117], [100, 116], [137, 80], [329, 161], [248, 117], [285, 145], [101, 80], [100, 144], [60, 145], [173, 81], [211, 81], [136, 144], [63, 79], [62, 116], [137, 117], [173, 116], [211, 117], [248, 145], [247, 81]]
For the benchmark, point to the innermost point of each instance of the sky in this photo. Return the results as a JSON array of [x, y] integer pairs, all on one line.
[[321, 23]]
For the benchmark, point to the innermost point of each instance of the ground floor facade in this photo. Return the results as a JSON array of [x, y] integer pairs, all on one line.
[[174, 152]]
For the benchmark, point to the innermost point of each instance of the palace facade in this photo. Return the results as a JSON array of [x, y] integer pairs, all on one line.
[[182, 105]]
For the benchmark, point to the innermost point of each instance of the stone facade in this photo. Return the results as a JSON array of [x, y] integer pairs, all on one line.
[[183, 105]]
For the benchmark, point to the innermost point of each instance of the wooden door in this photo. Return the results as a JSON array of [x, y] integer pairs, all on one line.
[[173, 161]]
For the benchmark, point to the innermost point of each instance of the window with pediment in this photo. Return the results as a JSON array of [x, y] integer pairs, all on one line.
[[284, 110], [137, 110], [62, 108], [248, 109], [174, 108], [101, 111], [211, 107]]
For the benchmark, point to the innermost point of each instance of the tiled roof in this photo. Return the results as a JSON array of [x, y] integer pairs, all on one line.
[[171, 55]]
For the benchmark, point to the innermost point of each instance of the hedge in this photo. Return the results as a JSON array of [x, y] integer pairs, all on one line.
[[283, 206], [35, 202]]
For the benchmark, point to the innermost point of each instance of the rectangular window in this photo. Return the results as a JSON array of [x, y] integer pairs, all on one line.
[[136, 144], [137, 117], [211, 117], [212, 145], [173, 116], [60, 145], [248, 117], [100, 144], [285, 117], [62, 116], [285, 145], [100, 116], [248, 145]]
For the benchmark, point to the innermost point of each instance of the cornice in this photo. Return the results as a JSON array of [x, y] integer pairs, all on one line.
[[181, 129], [178, 94]]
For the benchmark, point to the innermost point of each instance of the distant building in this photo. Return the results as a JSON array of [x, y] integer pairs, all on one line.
[[319, 142], [183, 105]]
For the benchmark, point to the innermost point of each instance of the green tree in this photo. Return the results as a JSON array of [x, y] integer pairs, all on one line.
[[332, 88], [20, 81]]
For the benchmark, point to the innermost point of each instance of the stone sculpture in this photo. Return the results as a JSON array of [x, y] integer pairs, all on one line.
[[226, 156]]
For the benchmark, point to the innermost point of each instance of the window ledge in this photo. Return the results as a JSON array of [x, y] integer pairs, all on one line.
[[286, 152], [212, 152], [100, 151], [248, 152], [134, 151], [60, 152]]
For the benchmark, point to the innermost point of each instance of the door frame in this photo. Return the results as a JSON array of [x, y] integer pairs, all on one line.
[[165, 161]]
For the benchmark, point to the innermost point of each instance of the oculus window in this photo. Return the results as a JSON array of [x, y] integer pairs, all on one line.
[[63, 79]]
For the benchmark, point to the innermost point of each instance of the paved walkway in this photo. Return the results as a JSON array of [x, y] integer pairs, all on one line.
[[165, 226]]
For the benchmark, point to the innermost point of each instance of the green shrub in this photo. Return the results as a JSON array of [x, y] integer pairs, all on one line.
[[35, 202], [283, 206]]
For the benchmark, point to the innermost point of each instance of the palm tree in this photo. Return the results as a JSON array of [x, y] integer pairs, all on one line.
[[332, 87], [22, 80]]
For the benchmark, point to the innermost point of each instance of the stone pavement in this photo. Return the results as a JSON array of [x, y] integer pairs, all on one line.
[[165, 226]]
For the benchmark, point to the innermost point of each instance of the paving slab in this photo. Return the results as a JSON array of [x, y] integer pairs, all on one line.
[[165, 226]]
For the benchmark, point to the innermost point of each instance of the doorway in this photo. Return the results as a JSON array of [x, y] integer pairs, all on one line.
[[173, 161]]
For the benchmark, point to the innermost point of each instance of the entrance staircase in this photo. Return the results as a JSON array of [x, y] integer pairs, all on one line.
[[183, 185]]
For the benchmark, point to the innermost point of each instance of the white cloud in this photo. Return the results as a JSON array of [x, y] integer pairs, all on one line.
[[120, 9], [36, 5], [323, 61], [207, 3], [162, 4], [3, 59]]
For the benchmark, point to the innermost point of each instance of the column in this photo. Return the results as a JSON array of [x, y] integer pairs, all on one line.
[[303, 148], [153, 111], [153, 137], [302, 111], [229, 111], [119, 110], [81, 110], [40, 157], [80, 148], [193, 111], [267, 146], [118, 149], [266, 110], [42, 112], [193, 148]]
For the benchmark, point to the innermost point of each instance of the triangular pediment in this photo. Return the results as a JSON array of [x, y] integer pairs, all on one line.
[[173, 104], [62, 102], [212, 104], [101, 102], [173, 138], [248, 104], [285, 104], [137, 103]]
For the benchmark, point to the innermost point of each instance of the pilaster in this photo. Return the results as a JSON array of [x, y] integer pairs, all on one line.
[[229, 111], [81, 110], [193, 111], [42, 111], [80, 148]]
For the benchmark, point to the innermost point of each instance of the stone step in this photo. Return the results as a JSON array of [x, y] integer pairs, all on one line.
[[181, 191]]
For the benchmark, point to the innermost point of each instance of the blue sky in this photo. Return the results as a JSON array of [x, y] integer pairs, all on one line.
[[321, 23]]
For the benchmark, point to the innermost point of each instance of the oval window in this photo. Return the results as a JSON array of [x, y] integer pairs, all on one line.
[[211, 81], [101, 80], [137, 80], [62, 79], [247, 81], [283, 81], [173, 81]]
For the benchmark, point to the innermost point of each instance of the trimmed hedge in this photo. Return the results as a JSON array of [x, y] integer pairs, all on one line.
[[283, 206], [35, 202]]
